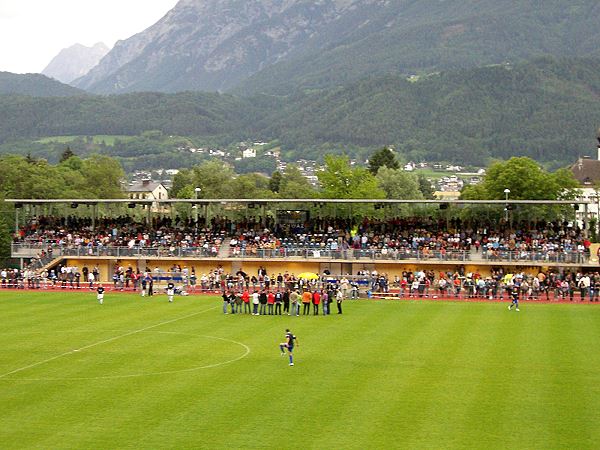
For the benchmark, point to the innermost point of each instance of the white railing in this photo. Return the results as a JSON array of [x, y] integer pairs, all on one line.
[[298, 252]]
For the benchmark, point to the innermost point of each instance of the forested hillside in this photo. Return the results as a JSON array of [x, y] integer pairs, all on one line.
[[35, 85], [194, 114], [547, 109]]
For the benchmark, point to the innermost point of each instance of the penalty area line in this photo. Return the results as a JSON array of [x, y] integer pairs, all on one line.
[[105, 341]]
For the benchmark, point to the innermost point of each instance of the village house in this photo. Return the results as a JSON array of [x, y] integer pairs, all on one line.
[[586, 171], [149, 190]]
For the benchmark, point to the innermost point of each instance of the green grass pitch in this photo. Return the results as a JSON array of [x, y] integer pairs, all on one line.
[[143, 373]]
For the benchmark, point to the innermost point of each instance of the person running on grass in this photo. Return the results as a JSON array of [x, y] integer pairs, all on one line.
[[100, 290], [170, 291], [515, 297], [290, 342]]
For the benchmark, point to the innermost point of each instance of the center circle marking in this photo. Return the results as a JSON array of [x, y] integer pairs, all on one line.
[[143, 374]]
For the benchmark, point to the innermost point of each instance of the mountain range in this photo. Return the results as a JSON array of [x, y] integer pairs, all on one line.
[[278, 46], [459, 81], [74, 62], [547, 109]]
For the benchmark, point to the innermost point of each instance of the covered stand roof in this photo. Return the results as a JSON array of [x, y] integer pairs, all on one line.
[[272, 201]]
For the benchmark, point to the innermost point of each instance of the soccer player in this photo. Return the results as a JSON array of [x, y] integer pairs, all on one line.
[[100, 296], [170, 291], [290, 342], [515, 297]]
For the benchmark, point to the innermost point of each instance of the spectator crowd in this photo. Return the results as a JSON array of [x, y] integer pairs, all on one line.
[[421, 238], [337, 238], [551, 285]]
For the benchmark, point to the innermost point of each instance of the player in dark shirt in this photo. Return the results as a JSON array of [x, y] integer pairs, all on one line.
[[170, 291], [289, 344], [515, 297], [100, 291]]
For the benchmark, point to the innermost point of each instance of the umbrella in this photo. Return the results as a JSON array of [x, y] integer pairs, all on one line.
[[308, 276]]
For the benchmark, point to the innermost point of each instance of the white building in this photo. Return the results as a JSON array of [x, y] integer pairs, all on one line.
[[587, 171], [149, 190], [249, 153]]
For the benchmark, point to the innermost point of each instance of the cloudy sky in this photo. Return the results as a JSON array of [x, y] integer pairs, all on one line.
[[32, 32]]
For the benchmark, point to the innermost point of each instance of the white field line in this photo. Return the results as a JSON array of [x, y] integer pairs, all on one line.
[[144, 374], [20, 369]]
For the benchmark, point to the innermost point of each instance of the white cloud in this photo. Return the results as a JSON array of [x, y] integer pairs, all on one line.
[[34, 31]]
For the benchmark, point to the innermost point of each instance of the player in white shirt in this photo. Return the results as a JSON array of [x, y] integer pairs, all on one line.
[[170, 291]]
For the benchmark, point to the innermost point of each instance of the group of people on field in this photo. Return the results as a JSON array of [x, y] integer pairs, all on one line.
[[283, 302]]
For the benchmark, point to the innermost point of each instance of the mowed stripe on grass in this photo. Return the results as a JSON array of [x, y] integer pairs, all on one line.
[[383, 374]]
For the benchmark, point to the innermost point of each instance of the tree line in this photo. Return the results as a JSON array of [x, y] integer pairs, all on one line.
[[99, 176]]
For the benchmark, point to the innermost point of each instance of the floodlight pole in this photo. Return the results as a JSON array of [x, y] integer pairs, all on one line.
[[197, 192], [586, 230], [506, 192]]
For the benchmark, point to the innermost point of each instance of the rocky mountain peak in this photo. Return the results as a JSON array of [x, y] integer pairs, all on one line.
[[75, 61]]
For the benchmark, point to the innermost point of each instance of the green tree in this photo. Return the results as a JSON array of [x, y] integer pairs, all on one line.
[[525, 180], [425, 187], [251, 185], [340, 180], [383, 158], [214, 178], [295, 185], [185, 210], [275, 181], [183, 178], [5, 241], [104, 176], [24, 177], [398, 184]]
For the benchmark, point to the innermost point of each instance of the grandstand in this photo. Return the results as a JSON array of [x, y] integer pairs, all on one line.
[[187, 250]]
